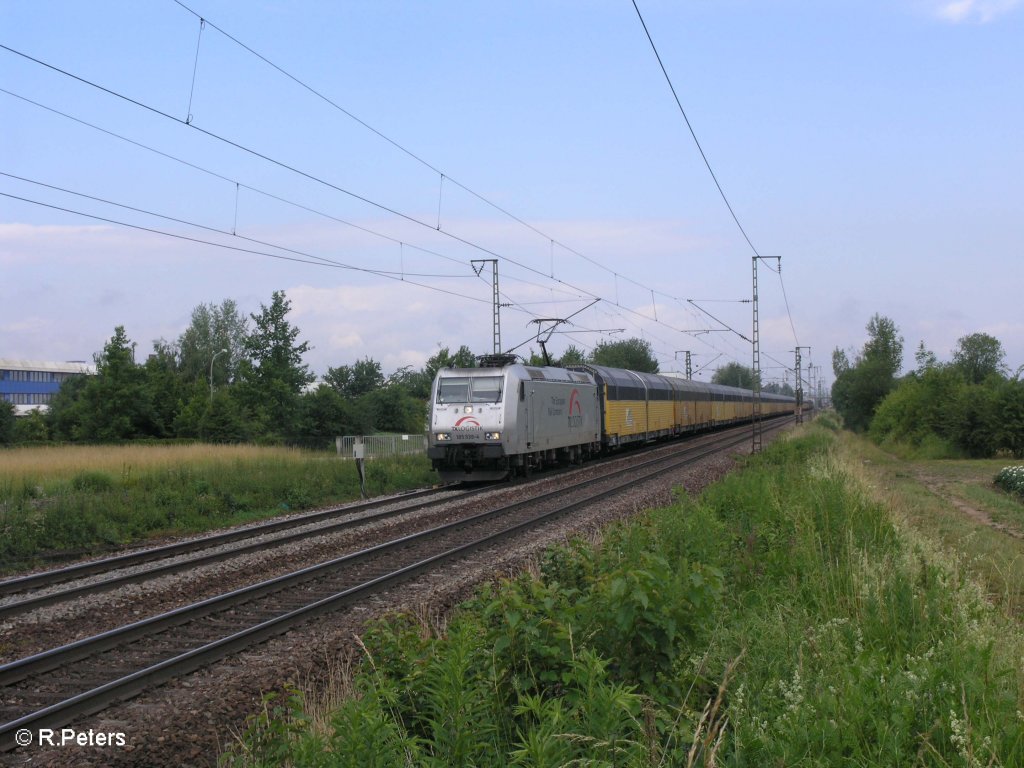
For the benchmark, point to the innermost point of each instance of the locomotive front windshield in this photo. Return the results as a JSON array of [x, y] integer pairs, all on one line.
[[463, 389], [487, 389]]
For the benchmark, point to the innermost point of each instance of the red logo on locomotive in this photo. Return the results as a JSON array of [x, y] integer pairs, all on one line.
[[575, 404], [575, 410], [468, 421]]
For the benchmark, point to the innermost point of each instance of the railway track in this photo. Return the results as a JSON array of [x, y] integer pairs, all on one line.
[[23, 594], [52, 688]]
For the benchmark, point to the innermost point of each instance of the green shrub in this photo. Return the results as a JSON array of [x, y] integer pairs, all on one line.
[[1011, 479], [93, 482]]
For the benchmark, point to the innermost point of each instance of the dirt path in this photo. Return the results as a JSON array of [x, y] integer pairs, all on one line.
[[947, 491]]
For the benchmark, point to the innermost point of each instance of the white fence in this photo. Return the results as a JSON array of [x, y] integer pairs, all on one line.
[[381, 446]]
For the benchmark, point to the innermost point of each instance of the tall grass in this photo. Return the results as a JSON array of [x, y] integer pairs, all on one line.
[[76, 498], [780, 619], [54, 463], [864, 643]]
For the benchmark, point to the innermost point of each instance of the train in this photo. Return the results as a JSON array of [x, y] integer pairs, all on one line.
[[508, 418]]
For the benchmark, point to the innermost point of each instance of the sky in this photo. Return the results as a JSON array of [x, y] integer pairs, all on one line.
[[360, 156]]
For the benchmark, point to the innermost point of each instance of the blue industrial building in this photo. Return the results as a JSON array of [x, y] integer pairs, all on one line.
[[31, 384]]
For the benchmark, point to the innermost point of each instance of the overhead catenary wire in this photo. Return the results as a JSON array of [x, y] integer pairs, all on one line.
[[125, 206], [263, 192], [301, 258], [297, 255], [553, 241], [689, 126], [313, 260], [444, 176], [316, 179], [307, 175], [704, 157]]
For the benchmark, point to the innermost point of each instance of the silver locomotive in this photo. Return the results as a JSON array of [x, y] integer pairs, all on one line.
[[507, 418]]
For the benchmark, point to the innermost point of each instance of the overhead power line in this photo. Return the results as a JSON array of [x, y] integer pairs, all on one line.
[[642, 316], [333, 186], [266, 193], [704, 157], [690, 127], [203, 20], [299, 256]]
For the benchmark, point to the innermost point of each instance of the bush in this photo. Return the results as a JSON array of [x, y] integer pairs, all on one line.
[[1011, 479]]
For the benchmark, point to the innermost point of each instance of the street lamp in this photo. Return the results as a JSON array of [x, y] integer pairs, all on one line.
[[215, 354]]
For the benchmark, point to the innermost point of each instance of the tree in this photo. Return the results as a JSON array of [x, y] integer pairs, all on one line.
[[857, 392], [979, 356], [273, 374], [392, 410], [219, 419], [925, 359], [31, 428], [921, 406], [840, 361], [859, 388], [415, 383], [884, 344], [634, 354], [65, 413], [325, 414], [167, 389], [212, 329], [464, 358], [7, 421], [356, 380], [734, 375], [573, 355], [115, 404], [1009, 417], [536, 360]]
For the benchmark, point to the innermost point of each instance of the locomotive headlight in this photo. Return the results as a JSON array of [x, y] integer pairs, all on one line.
[[492, 435], [442, 436], [468, 409]]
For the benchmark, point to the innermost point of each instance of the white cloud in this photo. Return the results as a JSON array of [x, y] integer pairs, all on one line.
[[977, 11], [20, 232]]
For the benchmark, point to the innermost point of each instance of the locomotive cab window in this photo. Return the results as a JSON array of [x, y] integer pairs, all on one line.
[[463, 389], [453, 390], [487, 389]]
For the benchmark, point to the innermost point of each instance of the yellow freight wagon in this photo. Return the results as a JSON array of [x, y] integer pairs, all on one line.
[[638, 407]]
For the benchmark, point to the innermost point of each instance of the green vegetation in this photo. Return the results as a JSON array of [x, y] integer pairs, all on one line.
[[228, 379], [954, 505], [232, 379], [55, 499], [742, 376], [1011, 479], [783, 618], [8, 423], [968, 407], [861, 385], [634, 354]]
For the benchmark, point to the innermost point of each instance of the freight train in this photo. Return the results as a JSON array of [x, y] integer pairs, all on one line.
[[506, 418]]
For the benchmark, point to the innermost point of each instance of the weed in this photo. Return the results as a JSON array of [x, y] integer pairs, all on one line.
[[783, 618]]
